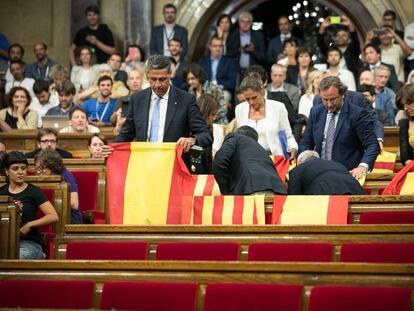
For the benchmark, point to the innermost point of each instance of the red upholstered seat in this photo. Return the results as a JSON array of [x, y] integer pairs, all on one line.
[[246, 297], [198, 251], [50, 294], [359, 298], [88, 193], [149, 296], [378, 252], [390, 217], [290, 252], [107, 250]]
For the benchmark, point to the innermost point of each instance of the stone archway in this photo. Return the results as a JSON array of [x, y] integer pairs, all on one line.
[[199, 15]]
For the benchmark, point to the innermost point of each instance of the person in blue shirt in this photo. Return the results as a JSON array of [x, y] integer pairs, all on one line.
[[101, 108]]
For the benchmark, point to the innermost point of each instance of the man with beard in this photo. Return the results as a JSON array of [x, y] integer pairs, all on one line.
[[161, 35], [40, 70], [16, 52], [44, 100], [66, 91], [333, 58], [100, 109], [19, 79], [176, 49], [47, 139], [95, 35]]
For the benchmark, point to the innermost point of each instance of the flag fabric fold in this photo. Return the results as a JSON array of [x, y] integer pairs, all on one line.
[[402, 183], [224, 210], [385, 163], [282, 166], [310, 210]]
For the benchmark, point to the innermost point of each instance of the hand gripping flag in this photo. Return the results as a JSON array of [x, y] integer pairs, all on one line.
[[147, 181], [310, 210], [403, 182]]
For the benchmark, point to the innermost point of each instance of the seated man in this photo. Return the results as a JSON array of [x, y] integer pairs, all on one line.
[[383, 109], [47, 140], [314, 176], [242, 166]]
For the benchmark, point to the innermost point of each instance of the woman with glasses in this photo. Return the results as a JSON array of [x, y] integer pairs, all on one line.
[[18, 115], [49, 162], [29, 199], [405, 101]]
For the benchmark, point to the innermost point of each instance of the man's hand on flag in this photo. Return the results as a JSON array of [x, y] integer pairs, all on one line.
[[186, 143], [358, 172], [106, 151]]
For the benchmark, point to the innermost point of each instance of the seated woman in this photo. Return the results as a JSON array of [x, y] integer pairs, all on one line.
[[84, 71], [196, 78], [118, 87], [18, 115], [49, 162], [29, 199], [405, 101], [78, 122], [95, 144], [298, 74], [268, 117], [306, 100]]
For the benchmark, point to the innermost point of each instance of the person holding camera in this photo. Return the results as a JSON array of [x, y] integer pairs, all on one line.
[[346, 39]]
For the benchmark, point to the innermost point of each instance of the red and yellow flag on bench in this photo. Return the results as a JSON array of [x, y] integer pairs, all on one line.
[[385, 163], [146, 183], [224, 210], [310, 210], [403, 182]]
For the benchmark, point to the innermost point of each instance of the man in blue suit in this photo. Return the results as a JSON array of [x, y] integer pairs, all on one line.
[[164, 113], [341, 131], [162, 34], [220, 68]]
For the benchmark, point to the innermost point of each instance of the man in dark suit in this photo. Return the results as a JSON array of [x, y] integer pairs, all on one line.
[[164, 113], [220, 68], [162, 34], [372, 56], [275, 47], [314, 176], [341, 131], [241, 166], [246, 46]]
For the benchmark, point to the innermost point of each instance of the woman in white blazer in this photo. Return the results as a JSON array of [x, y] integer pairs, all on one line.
[[267, 117]]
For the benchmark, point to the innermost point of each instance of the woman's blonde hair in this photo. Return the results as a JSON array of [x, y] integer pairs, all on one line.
[[311, 77]]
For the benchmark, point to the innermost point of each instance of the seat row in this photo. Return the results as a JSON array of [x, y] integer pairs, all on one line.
[[308, 252], [159, 296]]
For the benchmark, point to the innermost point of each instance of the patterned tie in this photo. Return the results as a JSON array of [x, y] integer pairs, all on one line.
[[155, 121], [330, 137]]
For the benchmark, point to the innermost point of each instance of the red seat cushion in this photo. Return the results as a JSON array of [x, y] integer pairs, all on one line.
[[149, 296], [290, 252], [107, 250], [56, 294], [378, 252], [87, 189], [246, 297], [359, 298], [390, 217], [198, 251]]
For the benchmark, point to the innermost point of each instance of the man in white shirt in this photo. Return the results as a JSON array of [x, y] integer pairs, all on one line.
[[333, 58], [16, 53], [16, 69], [44, 99]]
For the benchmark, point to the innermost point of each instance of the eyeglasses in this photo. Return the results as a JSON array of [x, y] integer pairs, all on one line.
[[48, 141]]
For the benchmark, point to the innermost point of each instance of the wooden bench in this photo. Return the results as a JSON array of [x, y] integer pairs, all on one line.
[[76, 143], [9, 229], [307, 274], [392, 138], [244, 235]]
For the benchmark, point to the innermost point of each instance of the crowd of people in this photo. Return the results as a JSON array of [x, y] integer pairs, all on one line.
[[332, 113]]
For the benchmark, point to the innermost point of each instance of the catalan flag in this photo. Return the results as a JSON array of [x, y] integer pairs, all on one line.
[[224, 210], [310, 210], [282, 166], [147, 181], [403, 182], [385, 163]]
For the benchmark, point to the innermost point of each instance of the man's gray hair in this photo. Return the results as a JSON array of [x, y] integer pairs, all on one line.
[[381, 67], [158, 62], [329, 81], [276, 66], [307, 155], [246, 15]]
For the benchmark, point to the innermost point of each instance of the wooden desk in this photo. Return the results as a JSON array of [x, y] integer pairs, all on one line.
[[9, 229]]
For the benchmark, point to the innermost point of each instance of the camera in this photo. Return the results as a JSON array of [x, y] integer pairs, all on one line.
[[125, 106], [380, 31], [335, 20]]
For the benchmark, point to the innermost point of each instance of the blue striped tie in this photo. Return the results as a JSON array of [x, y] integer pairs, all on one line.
[[330, 137], [155, 121]]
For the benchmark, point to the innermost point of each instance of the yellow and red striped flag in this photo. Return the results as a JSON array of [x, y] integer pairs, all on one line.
[[385, 163], [147, 181], [224, 210], [310, 210], [403, 182], [282, 166]]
